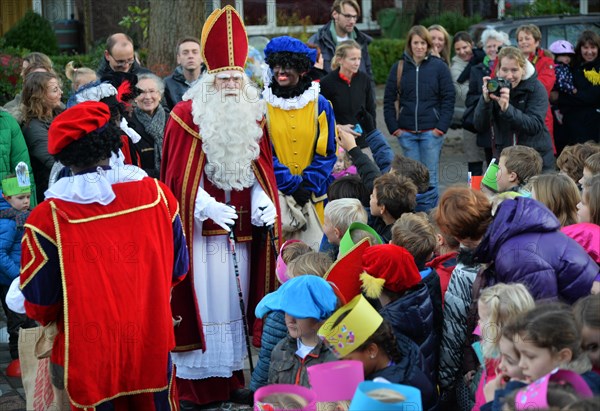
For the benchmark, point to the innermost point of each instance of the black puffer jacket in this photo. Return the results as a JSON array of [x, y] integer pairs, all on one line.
[[104, 68], [176, 85], [412, 315], [408, 372], [426, 97], [523, 122]]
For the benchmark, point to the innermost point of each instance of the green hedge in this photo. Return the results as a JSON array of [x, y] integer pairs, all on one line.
[[10, 69], [384, 53], [452, 21], [33, 32]]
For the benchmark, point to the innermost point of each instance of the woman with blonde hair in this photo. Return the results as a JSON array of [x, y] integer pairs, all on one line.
[[440, 40], [40, 104], [514, 109], [352, 96], [559, 193]]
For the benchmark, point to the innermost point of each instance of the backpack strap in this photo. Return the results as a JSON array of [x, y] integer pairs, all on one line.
[[399, 76]]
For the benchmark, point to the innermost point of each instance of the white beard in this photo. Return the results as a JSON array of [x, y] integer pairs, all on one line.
[[230, 131]]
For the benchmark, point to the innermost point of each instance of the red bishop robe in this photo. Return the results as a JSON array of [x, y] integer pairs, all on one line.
[[182, 167]]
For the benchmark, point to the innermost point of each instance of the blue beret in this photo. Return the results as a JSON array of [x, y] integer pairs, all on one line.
[[306, 296], [291, 45]]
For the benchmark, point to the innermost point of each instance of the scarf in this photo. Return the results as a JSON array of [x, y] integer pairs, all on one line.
[[155, 127], [18, 216]]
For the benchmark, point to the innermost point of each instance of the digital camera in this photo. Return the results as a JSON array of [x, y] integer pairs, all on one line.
[[494, 85]]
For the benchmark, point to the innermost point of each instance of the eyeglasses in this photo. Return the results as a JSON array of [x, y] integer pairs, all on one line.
[[350, 16], [122, 63]]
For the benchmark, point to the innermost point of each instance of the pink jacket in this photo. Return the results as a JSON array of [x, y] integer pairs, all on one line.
[[588, 236]]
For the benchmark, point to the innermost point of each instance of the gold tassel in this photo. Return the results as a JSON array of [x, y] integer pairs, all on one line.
[[592, 76], [371, 286]]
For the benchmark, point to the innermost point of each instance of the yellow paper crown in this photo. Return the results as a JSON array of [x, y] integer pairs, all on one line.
[[360, 320]]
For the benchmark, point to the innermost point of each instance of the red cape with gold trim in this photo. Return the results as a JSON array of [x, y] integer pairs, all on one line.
[[181, 168]]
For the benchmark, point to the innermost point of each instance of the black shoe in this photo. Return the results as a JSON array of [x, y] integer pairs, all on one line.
[[242, 396], [188, 406]]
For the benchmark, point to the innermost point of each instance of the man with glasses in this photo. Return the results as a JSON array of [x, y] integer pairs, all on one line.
[[119, 56], [344, 16]]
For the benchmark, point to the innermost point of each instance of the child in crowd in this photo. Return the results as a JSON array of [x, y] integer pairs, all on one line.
[[591, 167], [357, 332], [559, 193], [497, 305], [339, 214], [392, 278], [546, 337], [350, 186], [343, 166], [516, 166], [274, 328], [572, 158], [588, 210], [417, 172], [307, 301], [311, 263], [79, 76], [563, 54], [445, 253], [414, 232], [14, 210], [587, 315], [392, 196]]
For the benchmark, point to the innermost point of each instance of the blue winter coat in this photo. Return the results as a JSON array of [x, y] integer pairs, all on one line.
[[274, 330], [409, 372], [412, 316], [526, 247], [426, 96], [10, 246]]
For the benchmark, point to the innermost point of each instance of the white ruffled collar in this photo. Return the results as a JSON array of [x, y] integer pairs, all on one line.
[[94, 187], [294, 103]]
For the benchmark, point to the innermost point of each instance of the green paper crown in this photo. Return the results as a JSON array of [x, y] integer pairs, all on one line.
[[346, 242], [14, 186], [489, 179]]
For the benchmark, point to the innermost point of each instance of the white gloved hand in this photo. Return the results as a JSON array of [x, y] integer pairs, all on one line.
[[263, 209], [222, 214], [267, 213]]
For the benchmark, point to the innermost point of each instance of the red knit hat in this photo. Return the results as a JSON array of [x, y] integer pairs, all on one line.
[[76, 122], [224, 41], [388, 266]]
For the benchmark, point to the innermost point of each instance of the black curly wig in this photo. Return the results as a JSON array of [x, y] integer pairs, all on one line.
[[92, 148], [300, 62]]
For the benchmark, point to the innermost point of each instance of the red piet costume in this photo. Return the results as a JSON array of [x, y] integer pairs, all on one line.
[[103, 269], [210, 340]]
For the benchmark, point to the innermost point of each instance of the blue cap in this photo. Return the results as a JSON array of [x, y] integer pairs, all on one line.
[[306, 296], [291, 45], [366, 400]]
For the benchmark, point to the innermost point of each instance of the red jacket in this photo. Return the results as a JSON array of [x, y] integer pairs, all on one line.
[[444, 265], [544, 67]]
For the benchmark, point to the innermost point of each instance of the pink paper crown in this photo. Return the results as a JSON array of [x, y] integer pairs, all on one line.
[[336, 380], [281, 266], [535, 395], [273, 389]]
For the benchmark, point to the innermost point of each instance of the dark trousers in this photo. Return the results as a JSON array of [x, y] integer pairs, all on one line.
[[14, 322]]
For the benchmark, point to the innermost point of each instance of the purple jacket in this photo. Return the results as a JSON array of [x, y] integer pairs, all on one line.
[[525, 245]]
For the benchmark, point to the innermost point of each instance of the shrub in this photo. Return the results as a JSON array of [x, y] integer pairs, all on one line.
[[384, 53], [33, 32], [452, 21]]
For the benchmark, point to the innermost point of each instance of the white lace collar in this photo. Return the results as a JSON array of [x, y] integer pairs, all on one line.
[[94, 187], [294, 103]]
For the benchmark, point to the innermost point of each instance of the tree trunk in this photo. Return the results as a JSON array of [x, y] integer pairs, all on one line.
[[171, 20]]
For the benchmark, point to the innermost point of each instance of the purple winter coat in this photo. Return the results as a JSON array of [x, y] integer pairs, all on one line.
[[526, 246]]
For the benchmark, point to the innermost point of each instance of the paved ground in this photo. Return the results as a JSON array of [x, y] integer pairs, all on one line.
[[453, 170]]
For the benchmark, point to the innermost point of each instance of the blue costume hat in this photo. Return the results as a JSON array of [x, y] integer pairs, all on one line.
[[290, 45], [375, 396], [306, 296]]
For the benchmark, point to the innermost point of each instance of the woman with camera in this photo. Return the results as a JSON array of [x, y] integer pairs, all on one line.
[[513, 106]]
